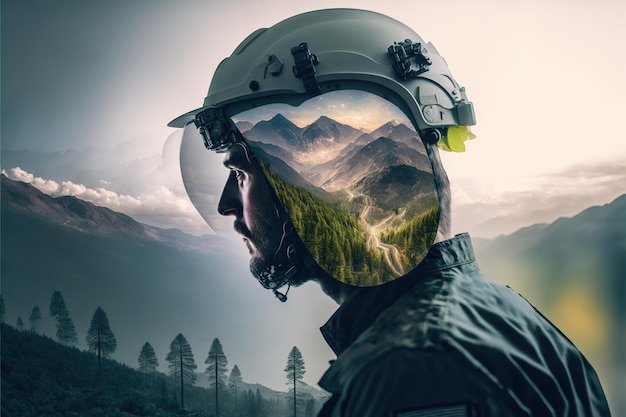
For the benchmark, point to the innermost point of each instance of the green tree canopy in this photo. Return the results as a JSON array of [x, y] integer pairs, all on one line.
[[295, 372], [34, 319], [57, 304], [216, 370], [234, 383], [100, 338], [181, 364], [148, 362], [66, 332]]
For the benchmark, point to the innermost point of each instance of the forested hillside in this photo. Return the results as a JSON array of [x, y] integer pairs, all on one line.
[[42, 378], [416, 236], [342, 249]]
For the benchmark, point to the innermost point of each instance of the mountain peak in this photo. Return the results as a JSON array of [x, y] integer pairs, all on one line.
[[396, 131], [329, 132], [279, 118], [278, 131], [325, 120]]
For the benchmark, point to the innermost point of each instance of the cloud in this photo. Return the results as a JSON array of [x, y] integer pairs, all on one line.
[[489, 208], [161, 207]]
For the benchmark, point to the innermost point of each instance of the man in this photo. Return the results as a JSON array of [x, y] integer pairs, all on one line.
[[336, 178]]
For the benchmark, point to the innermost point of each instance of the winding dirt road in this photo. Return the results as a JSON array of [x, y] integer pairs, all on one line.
[[391, 253]]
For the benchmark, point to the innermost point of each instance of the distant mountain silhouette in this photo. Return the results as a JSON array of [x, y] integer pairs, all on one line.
[[276, 151], [244, 126], [390, 186], [398, 132], [268, 393], [24, 200], [592, 243], [325, 130], [574, 271], [277, 131], [320, 134], [589, 245], [19, 197], [284, 170], [382, 152], [358, 153]]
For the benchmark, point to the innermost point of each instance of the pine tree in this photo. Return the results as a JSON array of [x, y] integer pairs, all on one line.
[[295, 372], [34, 319], [216, 370], [57, 304], [19, 324], [100, 338], [181, 364], [234, 382], [148, 362], [66, 332]]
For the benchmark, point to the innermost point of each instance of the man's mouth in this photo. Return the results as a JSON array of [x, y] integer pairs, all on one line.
[[248, 245], [241, 228]]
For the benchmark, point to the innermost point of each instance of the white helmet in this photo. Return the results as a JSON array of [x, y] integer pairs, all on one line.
[[313, 60]]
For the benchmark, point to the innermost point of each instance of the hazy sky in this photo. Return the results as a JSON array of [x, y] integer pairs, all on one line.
[[544, 78], [104, 79], [359, 109]]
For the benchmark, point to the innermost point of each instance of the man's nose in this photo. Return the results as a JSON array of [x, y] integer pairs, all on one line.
[[230, 201]]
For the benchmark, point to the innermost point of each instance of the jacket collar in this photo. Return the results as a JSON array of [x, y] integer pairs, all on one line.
[[363, 307]]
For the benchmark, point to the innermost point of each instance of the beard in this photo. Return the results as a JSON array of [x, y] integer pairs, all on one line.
[[265, 240], [258, 265]]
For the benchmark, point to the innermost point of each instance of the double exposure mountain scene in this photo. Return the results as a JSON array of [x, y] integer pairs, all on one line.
[[354, 177]]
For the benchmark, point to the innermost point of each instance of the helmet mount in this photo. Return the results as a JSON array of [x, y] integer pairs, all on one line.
[[304, 68], [401, 52], [217, 130]]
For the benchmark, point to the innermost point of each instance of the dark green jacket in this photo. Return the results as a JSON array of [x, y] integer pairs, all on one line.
[[445, 340]]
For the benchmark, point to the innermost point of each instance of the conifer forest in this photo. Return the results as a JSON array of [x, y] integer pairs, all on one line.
[[46, 376]]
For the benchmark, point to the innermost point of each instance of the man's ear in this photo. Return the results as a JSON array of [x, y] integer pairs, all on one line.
[[442, 186]]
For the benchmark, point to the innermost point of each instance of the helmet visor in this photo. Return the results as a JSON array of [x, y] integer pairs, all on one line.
[[347, 167]]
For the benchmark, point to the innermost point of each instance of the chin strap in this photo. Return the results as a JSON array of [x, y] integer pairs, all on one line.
[[276, 276]]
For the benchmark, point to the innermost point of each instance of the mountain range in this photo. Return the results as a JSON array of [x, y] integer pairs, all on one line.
[[573, 270], [588, 247], [357, 164], [332, 155], [22, 200], [320, 134], [154, 283]]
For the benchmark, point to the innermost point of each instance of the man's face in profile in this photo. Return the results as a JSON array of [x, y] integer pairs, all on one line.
[[248, 197]]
